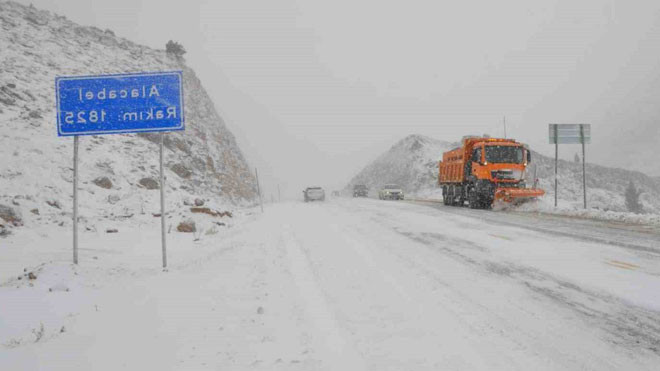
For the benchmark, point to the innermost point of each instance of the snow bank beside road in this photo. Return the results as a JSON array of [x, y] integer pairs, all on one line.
[[545, 205], [572, 209], [42, 292]]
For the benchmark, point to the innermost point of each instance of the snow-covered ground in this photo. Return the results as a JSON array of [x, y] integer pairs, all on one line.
[[349, 284]]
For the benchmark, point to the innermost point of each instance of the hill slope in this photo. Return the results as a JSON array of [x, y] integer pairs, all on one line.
[[413, 163], [203, 161]]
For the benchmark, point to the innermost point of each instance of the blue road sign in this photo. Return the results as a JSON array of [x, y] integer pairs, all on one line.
[[114, 104]]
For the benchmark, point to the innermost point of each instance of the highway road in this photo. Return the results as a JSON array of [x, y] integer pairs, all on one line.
[[362, 284]]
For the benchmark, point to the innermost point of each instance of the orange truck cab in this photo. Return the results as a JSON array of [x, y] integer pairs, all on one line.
[[483, 170]]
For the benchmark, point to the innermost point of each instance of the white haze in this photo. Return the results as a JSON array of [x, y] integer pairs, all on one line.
[[315, 90]]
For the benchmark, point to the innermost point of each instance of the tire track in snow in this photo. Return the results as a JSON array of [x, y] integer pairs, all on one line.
[[340, 354], [633, 333], [589, 231], [627, 325]]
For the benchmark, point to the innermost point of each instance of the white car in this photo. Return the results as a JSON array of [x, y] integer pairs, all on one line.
[[391, 192], [314, 194]]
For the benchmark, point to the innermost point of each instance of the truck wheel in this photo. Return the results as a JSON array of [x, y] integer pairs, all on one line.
[[451, 195], [461, 198], [445, 196], [473, 199]]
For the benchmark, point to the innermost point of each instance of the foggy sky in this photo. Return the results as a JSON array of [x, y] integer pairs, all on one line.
[[315, 90]]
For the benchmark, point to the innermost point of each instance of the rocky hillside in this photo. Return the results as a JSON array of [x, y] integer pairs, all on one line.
[[413, 163], [117, 171]]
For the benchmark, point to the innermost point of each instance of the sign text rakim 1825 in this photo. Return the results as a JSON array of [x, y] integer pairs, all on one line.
[[112, 104]]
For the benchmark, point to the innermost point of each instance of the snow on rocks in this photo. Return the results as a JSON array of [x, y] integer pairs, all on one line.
[[10, 215], [203, 161], [412, 163], [103, 182]]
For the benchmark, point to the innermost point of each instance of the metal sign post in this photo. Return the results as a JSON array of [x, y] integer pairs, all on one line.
[[571, 134], [115, 104], [75, 199], [584, 169], [162, 203]]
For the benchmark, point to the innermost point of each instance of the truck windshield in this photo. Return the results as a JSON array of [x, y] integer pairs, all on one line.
[[504, 154]]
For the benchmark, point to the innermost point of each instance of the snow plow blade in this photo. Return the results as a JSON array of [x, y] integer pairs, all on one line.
[[517, 194]]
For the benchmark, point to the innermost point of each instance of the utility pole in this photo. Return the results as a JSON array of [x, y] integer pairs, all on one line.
[[584, 171], [261, 202], [556, 158], [504, 121]]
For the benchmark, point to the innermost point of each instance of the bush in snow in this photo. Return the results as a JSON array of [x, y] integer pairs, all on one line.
[[173, 47], [38, 334], [187, 226], [10, 216], [632, 198]]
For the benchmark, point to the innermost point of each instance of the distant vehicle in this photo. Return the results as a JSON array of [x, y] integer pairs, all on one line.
[[314, 194], [391, 192], [360, 190], [484, 170]]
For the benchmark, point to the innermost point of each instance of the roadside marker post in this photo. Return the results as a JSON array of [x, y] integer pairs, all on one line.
[[119, 104], [261, 201], [571, 134]]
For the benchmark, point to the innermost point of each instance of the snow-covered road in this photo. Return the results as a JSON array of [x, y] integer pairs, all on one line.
[[370, 285]]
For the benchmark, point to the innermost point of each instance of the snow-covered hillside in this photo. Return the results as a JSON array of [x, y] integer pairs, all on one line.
[[118, 173], [413, 164], [605, 185]]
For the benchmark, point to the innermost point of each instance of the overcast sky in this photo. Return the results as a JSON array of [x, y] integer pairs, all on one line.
[[314, 90]]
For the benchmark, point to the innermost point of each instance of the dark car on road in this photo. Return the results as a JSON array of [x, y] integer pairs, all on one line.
[[360, 190], [314, 194]]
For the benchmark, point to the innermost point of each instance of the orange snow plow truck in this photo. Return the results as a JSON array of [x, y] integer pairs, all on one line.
[[484, 170]]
